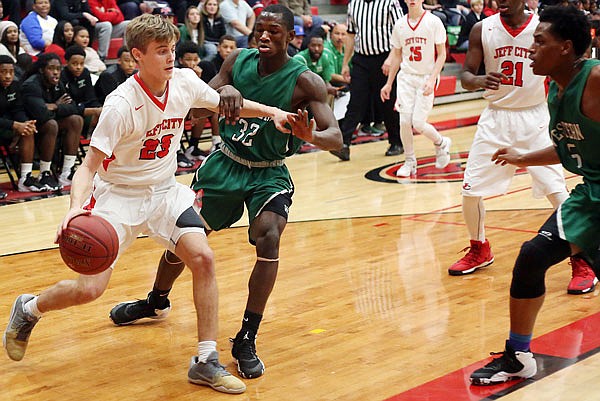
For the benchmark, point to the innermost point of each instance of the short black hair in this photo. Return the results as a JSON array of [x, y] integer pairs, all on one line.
[[318, 33], [74, 50], [568, 23], [226, 37], [286, 14], [187, 47], [4, 59], [122, 49]]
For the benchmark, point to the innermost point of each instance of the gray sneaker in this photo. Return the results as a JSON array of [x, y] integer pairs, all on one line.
[[19, 328], [213, 374]]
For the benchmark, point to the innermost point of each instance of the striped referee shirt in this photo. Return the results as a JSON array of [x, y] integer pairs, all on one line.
[[372, 22]]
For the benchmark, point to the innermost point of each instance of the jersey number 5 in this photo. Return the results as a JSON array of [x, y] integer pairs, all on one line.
[[415, 53], [156, 148], [513, 71]]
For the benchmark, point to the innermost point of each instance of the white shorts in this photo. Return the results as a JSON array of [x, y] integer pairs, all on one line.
[[410, 99], [524, 130], [152, 210]]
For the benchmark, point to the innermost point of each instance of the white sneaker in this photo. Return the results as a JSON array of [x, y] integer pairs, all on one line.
[[29, 184], [442, 153], [408, 168], [64, 180], [192, 153]]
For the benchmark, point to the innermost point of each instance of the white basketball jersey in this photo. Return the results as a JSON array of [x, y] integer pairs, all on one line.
[[417, 41], [142, 134], [506, 50]]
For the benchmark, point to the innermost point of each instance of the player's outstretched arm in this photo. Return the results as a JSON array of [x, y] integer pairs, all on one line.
[[322, 130], [542, 157]]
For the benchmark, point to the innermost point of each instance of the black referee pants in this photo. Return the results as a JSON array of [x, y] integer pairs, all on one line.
[[367, 79]]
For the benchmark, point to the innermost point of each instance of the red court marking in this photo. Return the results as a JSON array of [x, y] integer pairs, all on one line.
[[381, 224], [569, 341]]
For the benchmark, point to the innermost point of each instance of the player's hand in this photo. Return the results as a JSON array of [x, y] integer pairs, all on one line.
[[428, 87], [346, 73], [280, 119], [385, 67], [230, 104], [493, 80], [64, 99], [302, 126], [25, 128], [70, 215], [385, 92], [506, 156]]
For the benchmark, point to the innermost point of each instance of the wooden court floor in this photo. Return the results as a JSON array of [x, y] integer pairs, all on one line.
[[363, 308]]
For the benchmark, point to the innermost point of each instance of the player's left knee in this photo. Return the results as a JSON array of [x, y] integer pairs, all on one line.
[[418, 125], [267, 244]]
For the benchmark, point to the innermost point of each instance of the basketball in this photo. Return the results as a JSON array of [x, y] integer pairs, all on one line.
[[89, 244]]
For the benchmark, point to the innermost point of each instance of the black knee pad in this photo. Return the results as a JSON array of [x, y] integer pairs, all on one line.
[[189, 218], [535, 258]]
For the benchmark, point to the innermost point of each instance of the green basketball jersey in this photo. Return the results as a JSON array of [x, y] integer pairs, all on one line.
[[257, 139], [576, 137]]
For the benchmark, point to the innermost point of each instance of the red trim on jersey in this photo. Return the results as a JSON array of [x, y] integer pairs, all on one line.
[[418, 22], [154, 99], [516, 31]]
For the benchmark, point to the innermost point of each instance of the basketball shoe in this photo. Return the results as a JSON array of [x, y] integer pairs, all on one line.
[[214, 375], [583, 278], [512, 364], [195, 153], [409, 168], [479, 255], [131, 311], [19, 328], [28, 184], [243, 349], [47, 182], [442, 153]]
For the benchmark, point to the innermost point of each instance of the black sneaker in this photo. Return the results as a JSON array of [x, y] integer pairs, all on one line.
[[130, 312], [511, 365], [183, 161], [29, 184], [3, 195], [243, 349], [394, 150], [47, 182]]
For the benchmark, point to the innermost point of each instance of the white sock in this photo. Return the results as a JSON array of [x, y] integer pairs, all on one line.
[[474, 215], [216, 139], [26, 168], [31, 308], [205, 348], [44, 166], [68, 163]]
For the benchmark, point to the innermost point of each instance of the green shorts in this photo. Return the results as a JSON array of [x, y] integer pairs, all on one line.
[[224, 186], [578, 218]]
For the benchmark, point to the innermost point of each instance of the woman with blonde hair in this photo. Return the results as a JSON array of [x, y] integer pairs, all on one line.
[[214, 27]]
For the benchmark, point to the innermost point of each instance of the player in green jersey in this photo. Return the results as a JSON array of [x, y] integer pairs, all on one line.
[[249, 169], [560, 42]]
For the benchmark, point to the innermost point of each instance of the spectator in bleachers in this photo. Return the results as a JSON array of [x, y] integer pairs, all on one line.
[[11, 9], [318, 60], [214, 27], [303, 16], [473, 17], [115, 74], [531, 5], [37, 28], [107, 11], [93, 62], [77, 81], [10, 45], [180, 7], [63, 38], [130, 8], [239, 20], [78, 12], [227, 45], [15, 125], [436, 9], [491, 7], [187, 57], [46, 101], [296, 44], [455, 10], [165, 12], [192, 28], [336, 47]]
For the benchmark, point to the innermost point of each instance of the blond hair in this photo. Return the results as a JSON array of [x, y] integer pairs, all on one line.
[[148, 28], [473, 2]]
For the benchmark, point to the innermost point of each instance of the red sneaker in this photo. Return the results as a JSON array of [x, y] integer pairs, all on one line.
[[479, 255], [583, 278]]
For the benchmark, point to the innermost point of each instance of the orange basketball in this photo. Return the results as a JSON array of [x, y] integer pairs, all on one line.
[[89, 244]]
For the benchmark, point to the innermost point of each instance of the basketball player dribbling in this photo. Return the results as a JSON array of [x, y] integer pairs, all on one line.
[[129, 172], [516, 116]]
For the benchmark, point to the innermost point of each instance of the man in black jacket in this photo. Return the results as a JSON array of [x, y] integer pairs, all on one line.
[[14, 124], [115, 74], [46, 101]]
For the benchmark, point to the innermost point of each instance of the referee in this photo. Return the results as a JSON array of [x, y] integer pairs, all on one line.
[[370, 24]]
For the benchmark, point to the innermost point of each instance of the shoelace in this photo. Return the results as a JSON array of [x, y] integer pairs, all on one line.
[[247, 349], [25, 328], [580, 269], [470, 256]]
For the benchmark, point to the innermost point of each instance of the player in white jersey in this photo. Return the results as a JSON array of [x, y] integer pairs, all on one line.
[[133, 151], [516, 116], [416, 38]]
